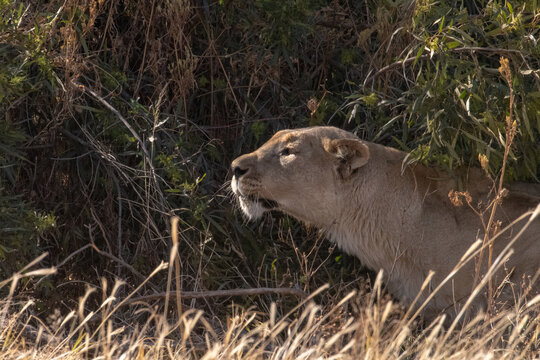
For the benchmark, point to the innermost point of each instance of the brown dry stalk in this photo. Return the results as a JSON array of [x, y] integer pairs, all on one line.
[[174, 233], [313, 104], [222, 293], [141, 68], [173, 254], [511, 128]]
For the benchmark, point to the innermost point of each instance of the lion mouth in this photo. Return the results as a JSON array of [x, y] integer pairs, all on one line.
[[266, 203], [254, 207]]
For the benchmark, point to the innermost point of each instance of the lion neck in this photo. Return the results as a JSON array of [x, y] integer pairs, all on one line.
[[375, 215], [368, 221]]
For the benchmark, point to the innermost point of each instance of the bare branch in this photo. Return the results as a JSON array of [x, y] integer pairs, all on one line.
[[223, 293]]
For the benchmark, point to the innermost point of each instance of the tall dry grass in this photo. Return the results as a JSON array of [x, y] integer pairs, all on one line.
[[356, 326]]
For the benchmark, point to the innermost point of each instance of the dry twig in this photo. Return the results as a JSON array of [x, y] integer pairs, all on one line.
[[222, 293]]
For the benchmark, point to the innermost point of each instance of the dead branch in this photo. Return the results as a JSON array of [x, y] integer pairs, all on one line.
[[124, 264], [222, 293], [121, 118]]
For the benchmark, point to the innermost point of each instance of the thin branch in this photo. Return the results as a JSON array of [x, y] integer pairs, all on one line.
[[223, 293], [119, 225], [66, 260], [106, 254], [120, 117], [131, 130], [123, 263], [141, 69]]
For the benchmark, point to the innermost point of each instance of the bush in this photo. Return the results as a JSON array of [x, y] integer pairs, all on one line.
[[453, 102]]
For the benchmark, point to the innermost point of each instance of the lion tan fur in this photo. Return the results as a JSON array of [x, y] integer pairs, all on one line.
[[392, 217]]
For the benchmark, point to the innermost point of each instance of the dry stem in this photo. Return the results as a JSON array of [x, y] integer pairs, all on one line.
[[510, 133], [222, 293]]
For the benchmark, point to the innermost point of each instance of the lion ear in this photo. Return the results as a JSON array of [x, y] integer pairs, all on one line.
[[350, 154]]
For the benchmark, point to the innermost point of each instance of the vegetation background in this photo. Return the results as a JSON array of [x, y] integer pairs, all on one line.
[[117, 114]]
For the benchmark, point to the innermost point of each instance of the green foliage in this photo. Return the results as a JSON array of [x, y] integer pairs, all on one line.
[[457, 104], [24, 72], [258, 129], [288, 23], [20, 232]]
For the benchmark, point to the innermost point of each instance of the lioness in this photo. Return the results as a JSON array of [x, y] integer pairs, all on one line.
[[392, 218]]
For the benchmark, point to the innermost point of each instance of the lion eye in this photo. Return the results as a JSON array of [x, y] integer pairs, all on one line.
[[285, 152]]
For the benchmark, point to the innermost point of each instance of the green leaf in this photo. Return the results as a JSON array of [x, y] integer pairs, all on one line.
[[495, 32], [418, 54], [452, 44], [370, 100], [441, 25], [9, 151], [510, 7], [526, 121], [475, 138]]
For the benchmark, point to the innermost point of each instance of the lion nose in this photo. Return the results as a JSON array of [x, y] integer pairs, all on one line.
[[238, 171]]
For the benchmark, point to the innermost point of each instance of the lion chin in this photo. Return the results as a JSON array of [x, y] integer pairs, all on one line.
[[251, 208]]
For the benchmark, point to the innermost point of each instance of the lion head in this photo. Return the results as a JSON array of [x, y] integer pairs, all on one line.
[[298, 172]]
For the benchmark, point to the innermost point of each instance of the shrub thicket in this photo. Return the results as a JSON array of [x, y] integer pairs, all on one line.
[[454, 103]]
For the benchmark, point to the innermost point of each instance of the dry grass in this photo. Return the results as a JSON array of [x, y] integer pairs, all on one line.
[[352, 326]]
